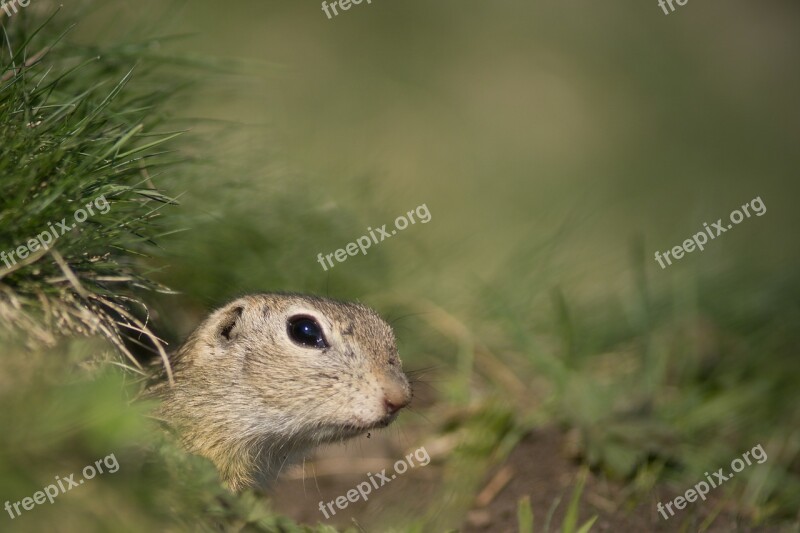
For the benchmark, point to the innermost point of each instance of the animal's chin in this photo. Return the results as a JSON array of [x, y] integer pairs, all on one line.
[[349, 430]]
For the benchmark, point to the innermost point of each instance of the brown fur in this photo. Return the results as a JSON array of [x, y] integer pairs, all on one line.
[[252, 401]]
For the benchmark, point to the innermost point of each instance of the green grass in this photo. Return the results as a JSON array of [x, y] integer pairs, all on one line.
[[76, 131], [525, 516], [661, 382]]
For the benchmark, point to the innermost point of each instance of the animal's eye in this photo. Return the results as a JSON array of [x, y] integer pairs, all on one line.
[[306, 331]]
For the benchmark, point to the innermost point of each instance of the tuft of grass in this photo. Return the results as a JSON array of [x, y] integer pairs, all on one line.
[[570, 523], [571, 518], [79, 129]]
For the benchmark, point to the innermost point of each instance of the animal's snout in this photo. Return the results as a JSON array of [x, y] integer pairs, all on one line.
[[396, 395]]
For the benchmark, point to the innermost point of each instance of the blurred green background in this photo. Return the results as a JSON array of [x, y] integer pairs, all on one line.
[[521, 126], [557, 147]]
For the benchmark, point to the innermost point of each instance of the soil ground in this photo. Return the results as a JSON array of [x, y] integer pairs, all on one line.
[[539, 467]]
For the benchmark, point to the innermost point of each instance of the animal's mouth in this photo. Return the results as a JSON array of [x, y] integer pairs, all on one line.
[[362, 427]]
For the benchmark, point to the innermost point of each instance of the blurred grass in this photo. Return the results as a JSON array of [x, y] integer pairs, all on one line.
[[64, 419]]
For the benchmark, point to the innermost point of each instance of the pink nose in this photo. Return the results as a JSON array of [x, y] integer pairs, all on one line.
[[396, 400]]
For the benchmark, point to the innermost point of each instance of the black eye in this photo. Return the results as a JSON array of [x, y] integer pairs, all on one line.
[[306, 331]]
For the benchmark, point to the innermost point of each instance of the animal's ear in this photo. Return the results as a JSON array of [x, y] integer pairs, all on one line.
[[227, 325]]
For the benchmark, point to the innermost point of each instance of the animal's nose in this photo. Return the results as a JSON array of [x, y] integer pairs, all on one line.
[[396, 398]]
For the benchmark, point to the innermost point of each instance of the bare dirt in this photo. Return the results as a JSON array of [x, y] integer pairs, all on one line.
[[539, 468]]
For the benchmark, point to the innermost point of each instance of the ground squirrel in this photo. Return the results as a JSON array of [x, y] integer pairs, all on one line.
[[267, 377]]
